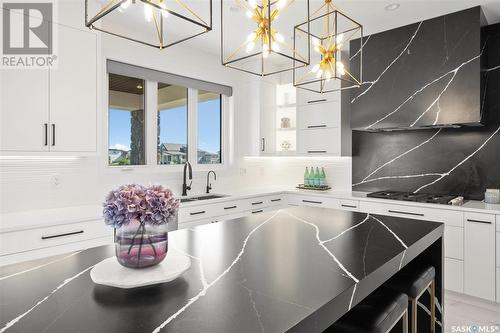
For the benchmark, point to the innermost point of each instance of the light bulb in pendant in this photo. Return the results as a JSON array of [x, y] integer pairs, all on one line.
[[279, 37], [148, 13], [340, 68], [281, 4], [315, 41], [265, 50], [252, 3], [249, 14], [164, 11], [250, 46], [328, 75], [315, 68], [251, 37], [319, 73], [275, 47], [124, 5]]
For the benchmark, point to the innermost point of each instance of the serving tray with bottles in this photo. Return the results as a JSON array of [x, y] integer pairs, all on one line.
[[314, 188]]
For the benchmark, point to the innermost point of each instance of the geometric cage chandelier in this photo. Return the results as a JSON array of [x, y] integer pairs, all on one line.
[[169, 21], [257, 36], [332, 67]]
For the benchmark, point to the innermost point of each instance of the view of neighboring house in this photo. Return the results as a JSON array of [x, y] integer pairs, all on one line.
[[172, 153], [118, 156]]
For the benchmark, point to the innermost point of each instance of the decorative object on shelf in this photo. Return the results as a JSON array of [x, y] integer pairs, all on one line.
[[285, 122], [314, 179], [286, 145], [167, 23], [140, 217], [330, 32], [109, 272], [314, 188], [256, 39]]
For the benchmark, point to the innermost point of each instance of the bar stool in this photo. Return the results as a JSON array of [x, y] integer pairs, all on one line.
[[377, 313], [414, 282]]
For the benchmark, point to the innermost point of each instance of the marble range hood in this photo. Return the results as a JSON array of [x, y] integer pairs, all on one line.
[[423, 75]]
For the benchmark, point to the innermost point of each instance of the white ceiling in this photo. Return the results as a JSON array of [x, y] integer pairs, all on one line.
[[370, 13]]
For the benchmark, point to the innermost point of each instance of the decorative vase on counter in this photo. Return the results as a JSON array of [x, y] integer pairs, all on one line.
[[140, 217]]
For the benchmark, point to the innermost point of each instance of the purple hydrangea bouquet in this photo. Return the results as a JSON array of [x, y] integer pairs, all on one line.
[[140, 216]]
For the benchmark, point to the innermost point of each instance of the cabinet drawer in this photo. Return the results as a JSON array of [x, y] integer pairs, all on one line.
[[454, 242], [498, 249], [352, 205], [306, 97], [20, 241], [313, 201], [498, 223], [232, 207], [448, 217], [318, 141], [498, 285], [454, 275], [196, 213], [320, 115], [480, 218]]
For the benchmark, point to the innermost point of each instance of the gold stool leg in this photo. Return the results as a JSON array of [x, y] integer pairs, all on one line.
[[433, 306], [405, 322], [413, 315]]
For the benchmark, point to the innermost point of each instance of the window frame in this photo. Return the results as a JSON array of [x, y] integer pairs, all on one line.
[[151, 131]]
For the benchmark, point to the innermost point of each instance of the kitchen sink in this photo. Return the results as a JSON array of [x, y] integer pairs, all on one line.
[[203, 197]]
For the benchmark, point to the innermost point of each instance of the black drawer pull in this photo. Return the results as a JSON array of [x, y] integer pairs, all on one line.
[[257, 211], [313, 202], [257, 203], [478, 221], [317, 101], [230, 207], [46, 130], [53, 134], [349, 206], [275, 200], [316, 126], [316, 151], [406, 213], [198, 213], [62, 235]]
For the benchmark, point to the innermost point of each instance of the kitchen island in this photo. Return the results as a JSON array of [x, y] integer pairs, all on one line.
[[294, 270]]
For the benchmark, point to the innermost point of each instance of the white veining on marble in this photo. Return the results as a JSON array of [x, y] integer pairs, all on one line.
[[392, 232], [254, 306], [423, 307], [443, 175], [402, 259], [352, 296], [39, 266], [347, 230], [372, 83], [361, 48], [492, 69], [399, 156], [365, 248], [399, 177], [65, 282], [320, 243], [220, 276]]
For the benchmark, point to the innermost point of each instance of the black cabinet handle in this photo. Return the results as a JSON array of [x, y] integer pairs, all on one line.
[[46, 134], [349, 206], [257, 211], [405, 213], [316, 126], [317, 101], [478, 221], [230, 207], [198, 213], [263, 144], [53, 134], [313, 202], [62, 235], [316, 151], [257, 203], [275, 200]]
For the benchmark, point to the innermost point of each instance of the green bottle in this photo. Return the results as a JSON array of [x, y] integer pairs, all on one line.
[[317, 178], [323, 177], [306, 177], [312, 177]]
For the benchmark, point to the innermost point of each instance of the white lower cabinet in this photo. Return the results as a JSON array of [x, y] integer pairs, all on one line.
[[498, 284], [479, 255], [454, 275], [323, 141], [313, 201], [454, 242]]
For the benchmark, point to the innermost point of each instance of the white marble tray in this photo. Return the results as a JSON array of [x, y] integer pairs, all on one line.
[[109, 272]]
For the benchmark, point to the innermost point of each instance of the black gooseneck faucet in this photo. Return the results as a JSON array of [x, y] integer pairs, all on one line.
[[185, 187], [209, 185]]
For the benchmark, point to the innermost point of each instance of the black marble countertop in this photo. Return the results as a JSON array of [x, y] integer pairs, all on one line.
[[293, 270]]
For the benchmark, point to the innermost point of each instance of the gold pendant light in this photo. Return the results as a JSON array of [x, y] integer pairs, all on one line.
[[257, 35], [332, 34], [168, 22]]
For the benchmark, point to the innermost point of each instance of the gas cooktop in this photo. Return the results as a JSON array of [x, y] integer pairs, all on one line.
[[409, 196]]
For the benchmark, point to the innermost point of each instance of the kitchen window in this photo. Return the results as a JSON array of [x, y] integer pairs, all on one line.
[[162, 119]]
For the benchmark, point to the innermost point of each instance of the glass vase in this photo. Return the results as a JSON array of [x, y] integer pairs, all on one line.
[[140, 245]]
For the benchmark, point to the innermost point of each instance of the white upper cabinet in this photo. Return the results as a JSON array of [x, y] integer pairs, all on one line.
[[73, 92], [53, 110], [24, 110]]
